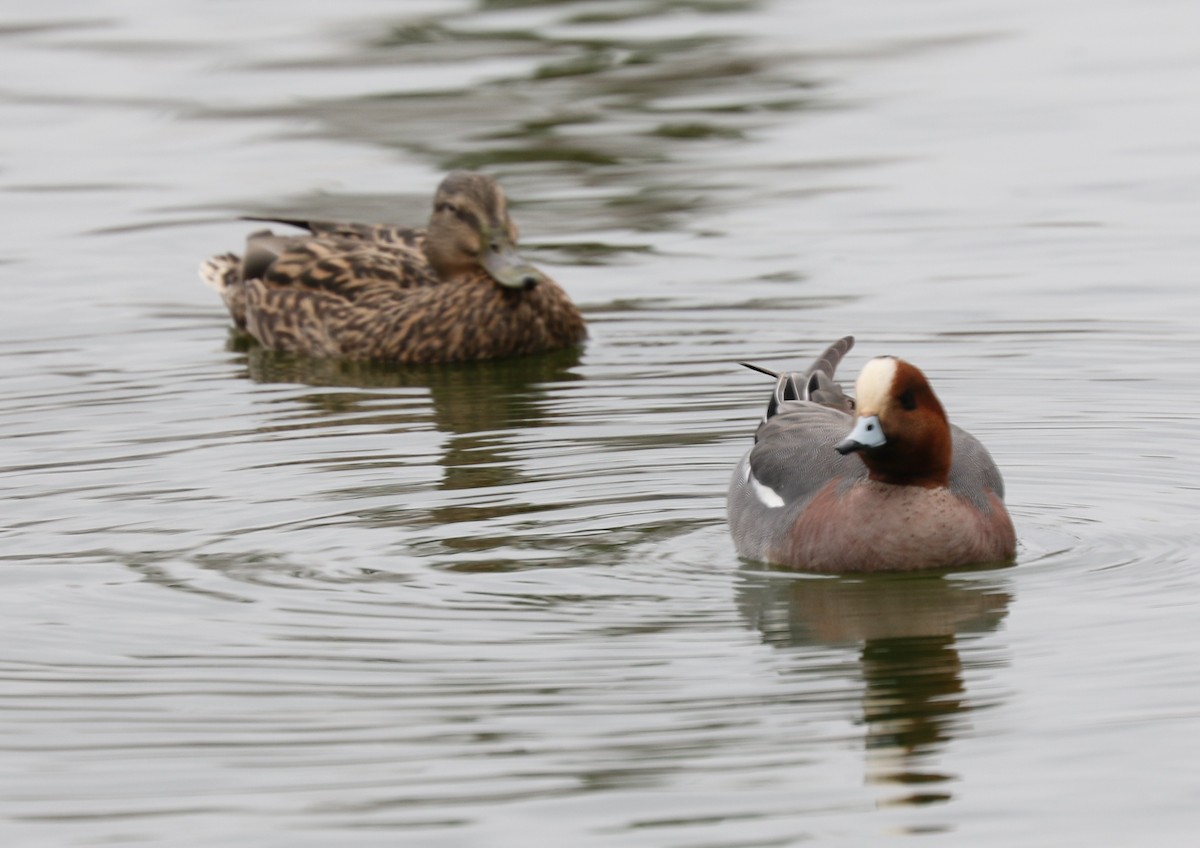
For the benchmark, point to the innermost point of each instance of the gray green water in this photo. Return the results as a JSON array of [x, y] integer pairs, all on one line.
[[250, 600]]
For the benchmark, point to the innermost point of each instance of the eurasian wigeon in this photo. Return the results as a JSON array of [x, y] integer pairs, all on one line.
[[886, 483]]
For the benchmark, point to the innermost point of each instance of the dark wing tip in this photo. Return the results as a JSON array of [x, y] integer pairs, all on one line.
[[291, 222]]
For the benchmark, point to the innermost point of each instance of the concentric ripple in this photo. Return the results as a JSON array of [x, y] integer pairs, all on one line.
[[255, 600]]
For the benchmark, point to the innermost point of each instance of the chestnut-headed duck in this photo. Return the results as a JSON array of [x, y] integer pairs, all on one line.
[[454, 290], [883, 482]]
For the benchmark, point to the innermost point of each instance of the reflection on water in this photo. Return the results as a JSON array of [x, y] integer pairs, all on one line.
[[253, 600], [467, 397], [474, 403], [555, 111], [907, 631], [914, 695]]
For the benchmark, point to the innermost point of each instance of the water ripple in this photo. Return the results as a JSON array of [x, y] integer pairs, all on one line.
[[252, 599]]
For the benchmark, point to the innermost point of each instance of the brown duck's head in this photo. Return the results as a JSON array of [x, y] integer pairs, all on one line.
[[470, 231], [900, 428]]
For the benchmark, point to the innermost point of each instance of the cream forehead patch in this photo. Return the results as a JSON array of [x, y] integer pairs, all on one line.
[[874, 385]]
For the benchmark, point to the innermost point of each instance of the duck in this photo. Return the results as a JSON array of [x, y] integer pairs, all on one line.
[[878, 482], [456, 289]]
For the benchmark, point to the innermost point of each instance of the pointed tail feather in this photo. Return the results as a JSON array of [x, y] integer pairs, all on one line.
[[817, 384]]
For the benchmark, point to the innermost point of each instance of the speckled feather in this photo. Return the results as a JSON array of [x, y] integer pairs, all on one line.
[[370, 291], [462, 320]]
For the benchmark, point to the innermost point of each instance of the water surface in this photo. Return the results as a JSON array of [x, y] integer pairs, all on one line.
[[255, 600]]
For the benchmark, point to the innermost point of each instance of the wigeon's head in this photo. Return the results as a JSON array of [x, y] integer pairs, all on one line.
[[900, 429]]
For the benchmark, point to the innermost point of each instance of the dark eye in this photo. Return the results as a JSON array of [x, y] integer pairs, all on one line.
[[907, 400], [496, 246]]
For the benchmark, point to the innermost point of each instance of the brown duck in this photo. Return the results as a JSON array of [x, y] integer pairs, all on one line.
[[454, 290]]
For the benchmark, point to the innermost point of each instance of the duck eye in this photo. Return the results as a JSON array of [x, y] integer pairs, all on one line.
[[907, 400]]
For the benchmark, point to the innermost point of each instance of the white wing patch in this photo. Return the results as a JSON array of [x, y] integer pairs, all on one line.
[[765, 494]]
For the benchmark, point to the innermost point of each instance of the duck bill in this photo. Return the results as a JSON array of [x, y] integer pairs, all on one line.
[[509, 268], [867, 433]]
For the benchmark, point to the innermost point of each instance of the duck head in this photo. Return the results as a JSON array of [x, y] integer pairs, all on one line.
[[900, 429], [470, 230]]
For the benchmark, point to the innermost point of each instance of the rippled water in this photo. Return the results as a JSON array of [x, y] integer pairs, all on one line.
[[254, 600]]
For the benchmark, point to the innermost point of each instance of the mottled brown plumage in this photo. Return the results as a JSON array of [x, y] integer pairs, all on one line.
[[454, 290]]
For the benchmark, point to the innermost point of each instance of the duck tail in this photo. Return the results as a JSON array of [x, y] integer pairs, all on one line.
[[817, 384], [221, 272], [224, 273], [820, 385]]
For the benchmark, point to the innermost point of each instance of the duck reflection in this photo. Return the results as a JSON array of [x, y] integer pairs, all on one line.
[[472, 402], [906, 629]]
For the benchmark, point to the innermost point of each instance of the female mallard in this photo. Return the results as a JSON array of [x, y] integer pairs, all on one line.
[[454, 290]]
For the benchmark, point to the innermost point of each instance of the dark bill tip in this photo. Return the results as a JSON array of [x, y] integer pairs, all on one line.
[[847, 446]]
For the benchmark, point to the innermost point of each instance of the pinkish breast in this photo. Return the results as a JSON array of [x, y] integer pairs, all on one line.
[[880, 527]]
